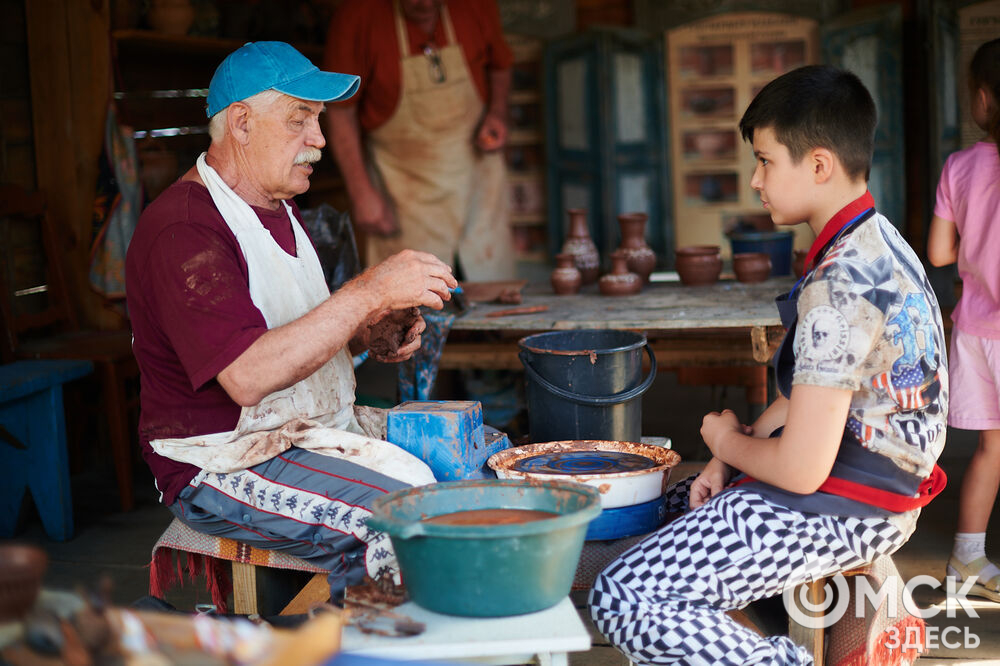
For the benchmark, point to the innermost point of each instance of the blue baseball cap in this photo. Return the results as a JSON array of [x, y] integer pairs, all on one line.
[[259, 66]]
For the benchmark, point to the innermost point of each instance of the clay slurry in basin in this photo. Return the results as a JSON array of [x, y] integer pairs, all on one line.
[[583, 462], [490, 517]]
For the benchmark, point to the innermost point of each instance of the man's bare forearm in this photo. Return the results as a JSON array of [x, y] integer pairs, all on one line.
[[287, 354]]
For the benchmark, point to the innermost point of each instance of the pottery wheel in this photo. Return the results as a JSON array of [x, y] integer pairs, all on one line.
[[583, 462]]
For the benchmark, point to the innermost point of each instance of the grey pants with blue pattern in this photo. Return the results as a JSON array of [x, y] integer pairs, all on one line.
[[309, 505], [664, 600]]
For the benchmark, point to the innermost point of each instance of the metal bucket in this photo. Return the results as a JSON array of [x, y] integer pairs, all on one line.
[[585, 384]]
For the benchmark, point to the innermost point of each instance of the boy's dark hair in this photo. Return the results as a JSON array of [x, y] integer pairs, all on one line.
[[817, 106], [984, 72]]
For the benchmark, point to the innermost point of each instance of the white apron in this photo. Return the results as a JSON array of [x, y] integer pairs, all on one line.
[[316, 413], [449, 199]]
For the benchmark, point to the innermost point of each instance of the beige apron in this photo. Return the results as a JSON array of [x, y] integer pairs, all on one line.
[[449, 198], [318, 412]]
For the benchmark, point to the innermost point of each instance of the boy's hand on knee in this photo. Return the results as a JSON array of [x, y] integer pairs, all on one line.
[[709, 483]]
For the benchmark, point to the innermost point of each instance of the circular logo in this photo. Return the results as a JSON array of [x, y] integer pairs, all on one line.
[[817, 615], [823, 334]]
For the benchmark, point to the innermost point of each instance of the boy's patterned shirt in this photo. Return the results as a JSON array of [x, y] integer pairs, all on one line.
[[868, 321]]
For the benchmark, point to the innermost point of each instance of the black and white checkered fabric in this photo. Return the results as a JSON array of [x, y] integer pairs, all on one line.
[[664, 600]]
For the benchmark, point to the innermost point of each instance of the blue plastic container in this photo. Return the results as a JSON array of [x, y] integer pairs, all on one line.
[[778, 244]]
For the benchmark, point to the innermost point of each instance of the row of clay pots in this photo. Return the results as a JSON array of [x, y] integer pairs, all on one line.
[[632, 258], [701, 264], [567, 279]]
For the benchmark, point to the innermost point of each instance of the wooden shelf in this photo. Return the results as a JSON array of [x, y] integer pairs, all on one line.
[[528, 175], [527, 220], [524, 97], [169, 45], [519, 137]]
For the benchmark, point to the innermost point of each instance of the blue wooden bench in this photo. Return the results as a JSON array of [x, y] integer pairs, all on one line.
[[33, 443]]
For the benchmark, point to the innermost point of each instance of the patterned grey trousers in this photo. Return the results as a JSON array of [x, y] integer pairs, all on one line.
[[303, 503], [664, 600]]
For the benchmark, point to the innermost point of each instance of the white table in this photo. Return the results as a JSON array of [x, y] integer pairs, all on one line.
[[546, 636]]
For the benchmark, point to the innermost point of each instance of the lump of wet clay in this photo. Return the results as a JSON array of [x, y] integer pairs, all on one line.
[[392, 331]]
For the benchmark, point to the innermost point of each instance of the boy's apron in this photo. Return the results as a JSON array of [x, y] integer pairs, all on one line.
[[448, 197], [850, 449], [317, 412]]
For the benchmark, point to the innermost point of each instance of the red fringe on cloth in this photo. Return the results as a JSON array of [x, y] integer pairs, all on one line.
[[882, 653], [163, 574]]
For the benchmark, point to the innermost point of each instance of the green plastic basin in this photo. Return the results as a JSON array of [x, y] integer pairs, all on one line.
[[487, 570]]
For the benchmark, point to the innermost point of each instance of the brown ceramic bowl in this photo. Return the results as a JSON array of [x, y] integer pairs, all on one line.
[[698, 264], [21, 571], [752, 266]]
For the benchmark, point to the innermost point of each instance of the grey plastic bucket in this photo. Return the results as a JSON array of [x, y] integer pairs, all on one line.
[[585, 384]]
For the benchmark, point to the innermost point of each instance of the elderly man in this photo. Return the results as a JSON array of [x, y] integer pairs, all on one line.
[[248, 420]]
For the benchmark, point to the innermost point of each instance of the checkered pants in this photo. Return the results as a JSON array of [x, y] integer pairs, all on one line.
[[664, 600]]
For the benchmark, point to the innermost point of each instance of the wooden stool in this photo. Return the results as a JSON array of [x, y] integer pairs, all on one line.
[[207, 553], [33, 443]]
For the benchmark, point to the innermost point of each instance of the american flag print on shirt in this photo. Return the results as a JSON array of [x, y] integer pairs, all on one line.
[[911, 387]]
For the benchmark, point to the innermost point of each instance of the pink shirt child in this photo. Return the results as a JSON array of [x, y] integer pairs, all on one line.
[[975, 169]]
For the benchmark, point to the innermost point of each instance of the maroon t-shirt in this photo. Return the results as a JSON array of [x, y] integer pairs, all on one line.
[[189, 303]]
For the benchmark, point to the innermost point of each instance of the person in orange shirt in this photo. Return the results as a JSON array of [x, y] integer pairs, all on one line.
[[419, 146]]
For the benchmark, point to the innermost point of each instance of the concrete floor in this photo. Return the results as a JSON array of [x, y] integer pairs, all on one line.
[[109, 542]]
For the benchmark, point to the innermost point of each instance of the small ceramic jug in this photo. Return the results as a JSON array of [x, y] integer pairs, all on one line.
[[579, 244], [171, 17], [566, 278], [641, 258], [620, 281]]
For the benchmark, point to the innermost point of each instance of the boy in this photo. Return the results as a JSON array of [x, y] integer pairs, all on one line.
[[833, 473]]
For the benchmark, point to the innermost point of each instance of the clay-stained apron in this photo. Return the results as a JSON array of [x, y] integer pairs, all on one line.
[[449, 198], [316, 413]]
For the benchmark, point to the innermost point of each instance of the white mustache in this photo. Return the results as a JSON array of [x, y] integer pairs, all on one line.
[[308, 156]]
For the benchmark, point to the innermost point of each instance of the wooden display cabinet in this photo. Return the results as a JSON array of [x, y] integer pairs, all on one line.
[[523, 153], [718, 64], [715, 67]]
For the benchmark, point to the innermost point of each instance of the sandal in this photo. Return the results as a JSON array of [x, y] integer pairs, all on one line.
[[989, 589]]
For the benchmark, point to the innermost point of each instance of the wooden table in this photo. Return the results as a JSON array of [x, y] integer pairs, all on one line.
[[716, 329]]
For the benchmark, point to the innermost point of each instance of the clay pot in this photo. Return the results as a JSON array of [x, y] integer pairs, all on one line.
[[579, 244], [171, 17], [22, 568], [158, 167], [640, 257], [620, 281], [710, 144], [799, 262], [565, 278], [752, 266], [698, 264]]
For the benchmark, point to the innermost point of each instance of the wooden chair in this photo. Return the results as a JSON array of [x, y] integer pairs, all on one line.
[[40, 322]]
